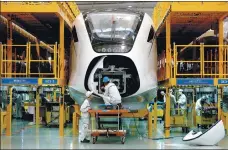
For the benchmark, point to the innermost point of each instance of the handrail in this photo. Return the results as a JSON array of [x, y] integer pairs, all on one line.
[[26, 61], [204, 66]]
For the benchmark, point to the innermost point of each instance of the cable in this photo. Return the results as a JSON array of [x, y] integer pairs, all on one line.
[[160, 138]]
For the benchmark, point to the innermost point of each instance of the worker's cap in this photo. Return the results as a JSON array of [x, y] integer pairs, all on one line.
[[162, 92], [106, 79], [89, 93], [180, 90]]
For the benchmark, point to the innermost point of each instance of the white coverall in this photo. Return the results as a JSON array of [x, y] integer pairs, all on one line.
[[198, 107], [85, 118], [111, 95], [182, 101]]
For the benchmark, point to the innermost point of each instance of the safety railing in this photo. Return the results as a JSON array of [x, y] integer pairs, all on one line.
[[200, 61], [29, 60], [195, 61]]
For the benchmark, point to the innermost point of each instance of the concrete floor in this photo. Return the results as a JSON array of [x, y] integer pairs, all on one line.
[[29, 137]]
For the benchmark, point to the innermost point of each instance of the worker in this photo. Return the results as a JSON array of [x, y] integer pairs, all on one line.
[[111, 95], [200, 103], [18, 103], [172, 102], [182, 102], [164, 104], [85, 107]]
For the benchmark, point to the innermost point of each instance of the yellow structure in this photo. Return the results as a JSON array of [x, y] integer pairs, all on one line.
[[200, 120], [66, 10], [76, 116], [9, 114], [3, 121], [197, 17]]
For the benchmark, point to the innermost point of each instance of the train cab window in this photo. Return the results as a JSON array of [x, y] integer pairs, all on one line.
[[113, 32], [75, 36], [151, 35]]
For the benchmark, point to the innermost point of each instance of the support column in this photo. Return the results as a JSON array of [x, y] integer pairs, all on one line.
[[194, 56], [220, 94], [61, 49], [221, 32], [9, 113], [37, 108], [9, 47], [1, 64], [61, 113], [76, 120], [155, 115], [150, 115], [167, 114], [168, 47]]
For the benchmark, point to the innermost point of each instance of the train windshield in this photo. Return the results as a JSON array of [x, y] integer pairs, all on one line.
[[112, 31]]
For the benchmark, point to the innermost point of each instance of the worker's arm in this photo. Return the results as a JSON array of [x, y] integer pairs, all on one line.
[[85, 106], [164, 98]]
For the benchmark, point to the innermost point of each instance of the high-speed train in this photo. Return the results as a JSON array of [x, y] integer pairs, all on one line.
[[120, 44]]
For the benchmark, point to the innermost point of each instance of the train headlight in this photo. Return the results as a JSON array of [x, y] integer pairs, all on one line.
[[112, 49]]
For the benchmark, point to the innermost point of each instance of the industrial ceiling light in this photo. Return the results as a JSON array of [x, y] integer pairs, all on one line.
[[129, 6]]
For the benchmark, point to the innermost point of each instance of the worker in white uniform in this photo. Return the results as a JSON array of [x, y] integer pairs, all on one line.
[[111, 95], [172, 102], [17, 99], [182, 102], [199, 104], [85, 118], [164, 104]]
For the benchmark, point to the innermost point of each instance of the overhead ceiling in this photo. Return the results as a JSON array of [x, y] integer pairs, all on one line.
[[146, 7]]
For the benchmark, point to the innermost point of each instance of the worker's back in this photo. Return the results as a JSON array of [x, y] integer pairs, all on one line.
[[182, 101], [84, 109], [112, 91]]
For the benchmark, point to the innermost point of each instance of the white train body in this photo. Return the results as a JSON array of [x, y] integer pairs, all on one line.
[[119, 44]]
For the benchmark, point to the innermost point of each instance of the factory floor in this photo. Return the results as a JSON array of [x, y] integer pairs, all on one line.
[[26, 136]]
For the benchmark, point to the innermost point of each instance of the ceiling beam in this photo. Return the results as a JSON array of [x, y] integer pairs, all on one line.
[[26, 34]]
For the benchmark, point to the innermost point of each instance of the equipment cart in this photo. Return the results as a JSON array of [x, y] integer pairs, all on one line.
[[101, 131], [207, 117]]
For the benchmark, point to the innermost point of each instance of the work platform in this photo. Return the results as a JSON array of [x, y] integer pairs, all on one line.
[[36, 13], [46, 25]]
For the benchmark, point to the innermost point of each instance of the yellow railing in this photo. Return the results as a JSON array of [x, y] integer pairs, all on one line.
[[210, 61], [10, 61]]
